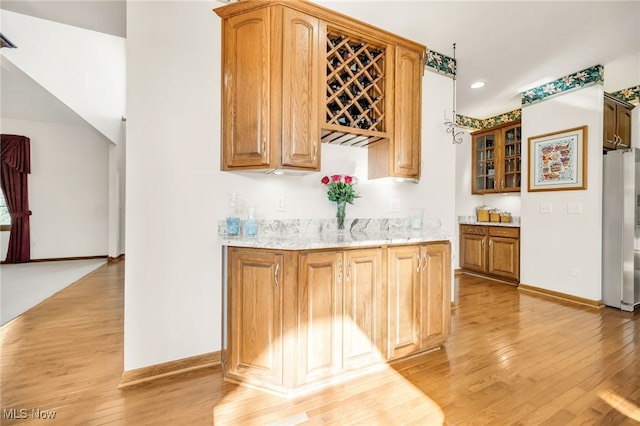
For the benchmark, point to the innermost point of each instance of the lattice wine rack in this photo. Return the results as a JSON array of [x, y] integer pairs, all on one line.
[[355, 83]]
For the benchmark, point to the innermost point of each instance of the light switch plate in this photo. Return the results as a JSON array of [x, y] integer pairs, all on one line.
[[574, 208]]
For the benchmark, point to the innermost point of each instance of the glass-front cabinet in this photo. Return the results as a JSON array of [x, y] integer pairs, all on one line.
[[496, 159]]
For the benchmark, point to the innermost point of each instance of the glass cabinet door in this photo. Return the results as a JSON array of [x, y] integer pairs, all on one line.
[[485, 170], [511, 159], [496, 159]]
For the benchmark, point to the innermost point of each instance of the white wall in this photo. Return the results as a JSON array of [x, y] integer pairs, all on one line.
[[68, 189], [84, 69], [176, 192], [552, 244]]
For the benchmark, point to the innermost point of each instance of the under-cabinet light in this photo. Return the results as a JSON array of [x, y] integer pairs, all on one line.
[[477, 85]]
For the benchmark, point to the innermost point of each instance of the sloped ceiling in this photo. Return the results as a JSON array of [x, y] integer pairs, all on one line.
[[108, 16], [25, 99]]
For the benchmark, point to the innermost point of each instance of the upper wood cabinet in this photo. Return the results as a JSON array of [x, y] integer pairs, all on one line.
[[271, 81], [496, 159], [617, 123], [296, 74], [399, 156]]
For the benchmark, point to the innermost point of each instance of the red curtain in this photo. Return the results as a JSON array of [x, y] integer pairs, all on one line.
[[15, 163]]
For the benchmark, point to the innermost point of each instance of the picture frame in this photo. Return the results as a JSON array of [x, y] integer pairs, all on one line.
[[558, 160]]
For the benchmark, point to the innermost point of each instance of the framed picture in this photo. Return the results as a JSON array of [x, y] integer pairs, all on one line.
[[558, 161]]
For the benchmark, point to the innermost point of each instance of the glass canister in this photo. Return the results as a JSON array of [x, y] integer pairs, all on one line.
[[251, 222], [415, 218], [233, 216]]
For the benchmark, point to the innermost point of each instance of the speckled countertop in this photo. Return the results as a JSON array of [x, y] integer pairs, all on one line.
[[471, 220], [318, 234], [333, 240]]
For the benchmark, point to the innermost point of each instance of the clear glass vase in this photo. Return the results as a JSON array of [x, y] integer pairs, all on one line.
[[340, 213]]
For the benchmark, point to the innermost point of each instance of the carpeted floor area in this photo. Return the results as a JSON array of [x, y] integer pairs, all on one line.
[[24, 285]]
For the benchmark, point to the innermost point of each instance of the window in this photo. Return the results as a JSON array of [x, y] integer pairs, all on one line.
[[5, 218]]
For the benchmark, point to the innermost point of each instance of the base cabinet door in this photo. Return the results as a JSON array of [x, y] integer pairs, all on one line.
[[472, 248], [319, 315], [504, 255], [403, 301], [436, 294], [255, 316], [419, 298], [362, 308]]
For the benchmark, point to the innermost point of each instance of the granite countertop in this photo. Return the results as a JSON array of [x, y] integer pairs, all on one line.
[[471, 220], [334, 239], [309, 234]]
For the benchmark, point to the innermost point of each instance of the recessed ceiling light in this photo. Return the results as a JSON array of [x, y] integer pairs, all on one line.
[[477, 85]]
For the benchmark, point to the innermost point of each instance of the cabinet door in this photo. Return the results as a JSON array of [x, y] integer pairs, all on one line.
[[609, 136], [246, 90], [255, 315], [510, 154], [403, 301], [320, 315], [300, 85], [472, 252], [436, 294], [408, 113], [623, 127], [483, 173], [362, 307], [504, 257]]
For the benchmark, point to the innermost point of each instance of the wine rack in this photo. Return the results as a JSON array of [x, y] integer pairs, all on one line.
[[355, 83]]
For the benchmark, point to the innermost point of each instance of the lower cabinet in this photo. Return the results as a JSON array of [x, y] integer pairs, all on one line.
[[331, 312], [255, 316], [419, 298], [491, 250], [339, 304]]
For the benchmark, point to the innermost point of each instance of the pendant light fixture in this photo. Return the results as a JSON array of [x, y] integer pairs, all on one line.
[[452, 126]]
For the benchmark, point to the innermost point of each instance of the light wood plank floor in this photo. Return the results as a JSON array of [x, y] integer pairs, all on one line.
[[511, 359]]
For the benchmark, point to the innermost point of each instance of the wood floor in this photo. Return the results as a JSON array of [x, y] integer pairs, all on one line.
[[511, 359]]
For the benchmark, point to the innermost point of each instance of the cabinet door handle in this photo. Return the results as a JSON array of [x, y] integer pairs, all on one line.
[[275, 274], [339, 270], [490, 243], [502, 184], [315, 150], [482, 243], [348, 270], [620, 142], [426, 261], [419, 262]]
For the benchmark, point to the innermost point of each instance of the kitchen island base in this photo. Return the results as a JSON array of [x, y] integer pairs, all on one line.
[[301, 320]]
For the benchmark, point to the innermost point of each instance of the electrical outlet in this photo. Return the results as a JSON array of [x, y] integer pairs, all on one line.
[[281, 203], [575, 273], [395, 205], [546, 208]]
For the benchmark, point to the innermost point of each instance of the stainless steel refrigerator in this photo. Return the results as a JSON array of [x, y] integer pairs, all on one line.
[[621, 229]]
